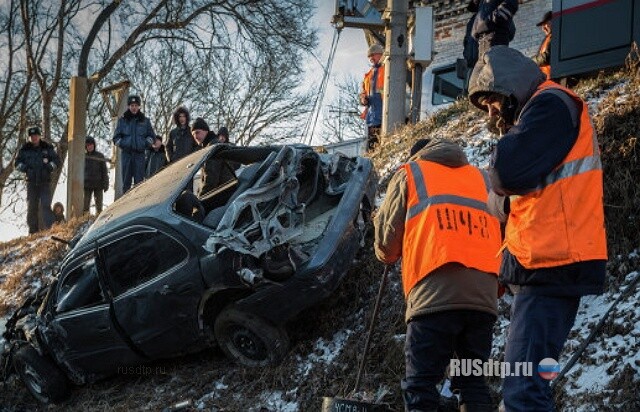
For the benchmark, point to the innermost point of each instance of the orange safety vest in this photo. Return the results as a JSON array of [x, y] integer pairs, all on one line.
[[367, 83], [545, 67], [447, 221], [562, 221]]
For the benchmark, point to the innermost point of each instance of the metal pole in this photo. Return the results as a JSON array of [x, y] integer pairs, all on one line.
[[395, 66], [76, 136]]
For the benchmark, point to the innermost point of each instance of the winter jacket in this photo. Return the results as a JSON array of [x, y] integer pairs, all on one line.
[[215, 172], [96, 175], [470, 51], [495, 20], [134, 133], [180, 142], [373, 91], [154, 161], [30, 160], [451, 286], [544, 133]]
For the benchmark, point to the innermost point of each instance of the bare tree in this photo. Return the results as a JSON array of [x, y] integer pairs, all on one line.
[[341, 121]]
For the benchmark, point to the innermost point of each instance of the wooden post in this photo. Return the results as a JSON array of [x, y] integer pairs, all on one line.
[[77, 135]]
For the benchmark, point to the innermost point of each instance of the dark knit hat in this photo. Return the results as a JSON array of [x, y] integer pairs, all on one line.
[[34, 130], [90, 140], [546, 18], [223, 132], [133, 99], [199, 124]]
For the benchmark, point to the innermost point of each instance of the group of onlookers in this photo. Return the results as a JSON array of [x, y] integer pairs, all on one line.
[[143, 154]]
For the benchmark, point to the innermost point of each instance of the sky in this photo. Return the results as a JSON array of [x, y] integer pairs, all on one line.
[[350, 60]]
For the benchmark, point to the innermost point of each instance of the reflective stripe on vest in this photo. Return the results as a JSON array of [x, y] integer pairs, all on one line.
[[447, 221], [562, 221]]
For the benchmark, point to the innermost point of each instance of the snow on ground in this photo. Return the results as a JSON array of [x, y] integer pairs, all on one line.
[[324, 352]]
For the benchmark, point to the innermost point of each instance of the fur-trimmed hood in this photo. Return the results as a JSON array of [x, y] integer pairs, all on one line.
[[181, 110]]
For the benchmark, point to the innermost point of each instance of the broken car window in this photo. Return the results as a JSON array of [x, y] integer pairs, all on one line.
[[139, 257], [80, 288]]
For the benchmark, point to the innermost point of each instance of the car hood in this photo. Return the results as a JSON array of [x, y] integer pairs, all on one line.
[[158, 192]]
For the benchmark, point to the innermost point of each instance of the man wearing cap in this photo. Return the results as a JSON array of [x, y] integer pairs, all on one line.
[[371, 95], [96, 176], [134, 134], [548, 163], [434, 216], [543, 57], [215, 172], [37, 159]]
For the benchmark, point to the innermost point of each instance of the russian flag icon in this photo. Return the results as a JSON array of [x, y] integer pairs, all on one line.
[[548, 368]]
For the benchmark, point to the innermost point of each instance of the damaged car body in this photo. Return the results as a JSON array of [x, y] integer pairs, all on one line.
[[165, 271]]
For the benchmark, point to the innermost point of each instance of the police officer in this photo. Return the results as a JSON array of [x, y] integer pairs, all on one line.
[[37, 159]]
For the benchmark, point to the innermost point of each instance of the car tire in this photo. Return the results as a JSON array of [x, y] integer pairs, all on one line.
[[250, 340], [43, 379]]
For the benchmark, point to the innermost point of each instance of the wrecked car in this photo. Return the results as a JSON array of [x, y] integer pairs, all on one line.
[[169, 269]]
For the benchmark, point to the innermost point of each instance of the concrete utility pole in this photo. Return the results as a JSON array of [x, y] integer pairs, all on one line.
[[395, 70], [76, 136]]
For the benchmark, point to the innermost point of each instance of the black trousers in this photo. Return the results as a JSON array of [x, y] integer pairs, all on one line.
[[39, 201], [430, 345], [97, 195]]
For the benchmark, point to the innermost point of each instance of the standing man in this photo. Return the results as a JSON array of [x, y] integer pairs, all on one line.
[[180, 142], [133, 135], [37, 159], [493, 25], [371, 95], [543, 58], [156, 158], [215, 172], [96, 176], [434, 216], [548, 162]]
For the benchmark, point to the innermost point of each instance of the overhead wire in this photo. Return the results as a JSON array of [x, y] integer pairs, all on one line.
[[312, 121]]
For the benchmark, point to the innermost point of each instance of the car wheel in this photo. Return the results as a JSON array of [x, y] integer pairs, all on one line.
[[249, 339], [44, 380]]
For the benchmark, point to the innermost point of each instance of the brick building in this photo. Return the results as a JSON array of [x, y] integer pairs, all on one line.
[[440, 84]]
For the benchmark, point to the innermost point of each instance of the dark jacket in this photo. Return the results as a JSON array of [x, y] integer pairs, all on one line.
[[495, 19], [215, 172], [31, 158], [154, 161], [451, 286], [96, 175], [541, 138], [470, 51], [180, 142], [134, 133]]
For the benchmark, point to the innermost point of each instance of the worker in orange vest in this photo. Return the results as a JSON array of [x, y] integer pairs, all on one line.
[[371, 95], [548, 164], [543, 58], [435, 217]]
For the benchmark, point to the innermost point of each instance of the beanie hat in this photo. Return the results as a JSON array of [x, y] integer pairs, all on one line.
[[90, 140], [375, 48], [133, 99], [199, 124], [34, 130], [546, 18]]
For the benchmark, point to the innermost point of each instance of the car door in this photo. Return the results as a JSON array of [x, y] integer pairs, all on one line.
[[156, 286], [82, 334]]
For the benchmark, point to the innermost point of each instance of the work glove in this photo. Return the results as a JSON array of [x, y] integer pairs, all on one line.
[[104, 189]]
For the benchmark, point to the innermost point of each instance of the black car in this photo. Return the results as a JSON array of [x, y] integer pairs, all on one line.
[[169, 269]]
